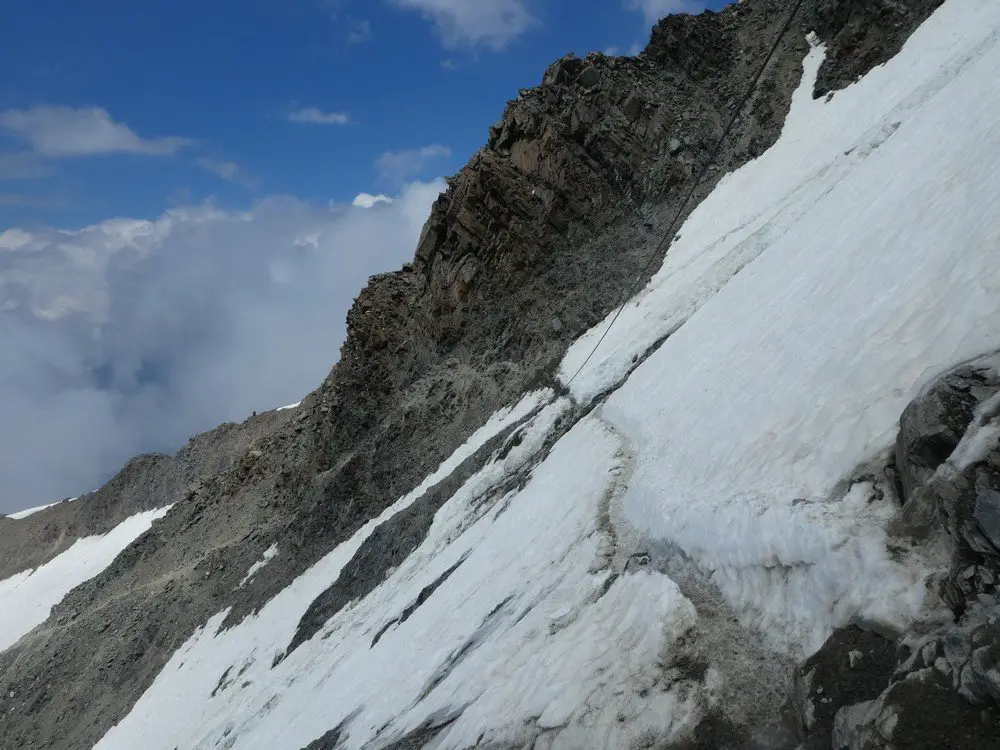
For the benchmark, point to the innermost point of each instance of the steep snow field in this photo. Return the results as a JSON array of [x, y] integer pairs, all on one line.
[[809, 298], [26, 598]]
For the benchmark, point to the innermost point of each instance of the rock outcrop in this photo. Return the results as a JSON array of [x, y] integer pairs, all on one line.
[[938, 685], [861, 35], [534, 241]]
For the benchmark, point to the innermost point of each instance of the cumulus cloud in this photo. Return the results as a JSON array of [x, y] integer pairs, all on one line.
[[84, 131], [396, 167], [653, 10], [131, 336], [367, 200], [319, 117], [461, 23], [229, 171]]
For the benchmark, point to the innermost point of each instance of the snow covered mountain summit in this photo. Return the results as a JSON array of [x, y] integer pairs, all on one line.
[[764, 512]]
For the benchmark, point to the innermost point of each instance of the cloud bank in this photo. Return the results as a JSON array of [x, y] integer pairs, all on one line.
[[131, 336]]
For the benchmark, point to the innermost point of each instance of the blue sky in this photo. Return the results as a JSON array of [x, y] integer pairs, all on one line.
[[180, 237], [223, 79]]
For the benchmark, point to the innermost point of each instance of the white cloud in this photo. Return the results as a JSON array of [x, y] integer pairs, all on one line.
[[367, 200], [396, 167], [85, 131], [654, 10], [490, 23], [319, 117], [131, 336], [229, 171]]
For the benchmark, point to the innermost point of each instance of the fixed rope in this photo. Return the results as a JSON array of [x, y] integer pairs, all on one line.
[[713, 156]]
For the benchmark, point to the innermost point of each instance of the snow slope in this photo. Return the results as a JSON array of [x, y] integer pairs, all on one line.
[[32, 511], [808, 299], [846, 293], [26, 598]]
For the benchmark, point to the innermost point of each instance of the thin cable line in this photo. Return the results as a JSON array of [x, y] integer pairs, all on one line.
[[668, 236]]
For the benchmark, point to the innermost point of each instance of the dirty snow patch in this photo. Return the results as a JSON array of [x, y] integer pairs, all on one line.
[[268, 555], [26, 598]]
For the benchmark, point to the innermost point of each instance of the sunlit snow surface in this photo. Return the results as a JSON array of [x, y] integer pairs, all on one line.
[[21, 514], [809, 298], [26, 598]]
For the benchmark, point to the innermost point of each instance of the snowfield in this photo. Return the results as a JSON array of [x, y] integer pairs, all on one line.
[[22, 514], [808, 299], [26, 598]]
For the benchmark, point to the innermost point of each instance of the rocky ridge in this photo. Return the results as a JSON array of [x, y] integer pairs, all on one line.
[[532, 243]]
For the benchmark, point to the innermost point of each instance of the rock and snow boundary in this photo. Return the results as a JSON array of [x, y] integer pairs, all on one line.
[[808, 300], [27, 598]]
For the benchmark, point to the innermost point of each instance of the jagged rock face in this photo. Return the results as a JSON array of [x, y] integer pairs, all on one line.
[[853, 666], [944, 692], [535, 240], [863, 34], [932, 426], [599, 138], [939, 686], [948, 456]]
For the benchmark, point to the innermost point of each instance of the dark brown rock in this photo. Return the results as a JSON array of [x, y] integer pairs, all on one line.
[[862, 34], [853, 665]]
